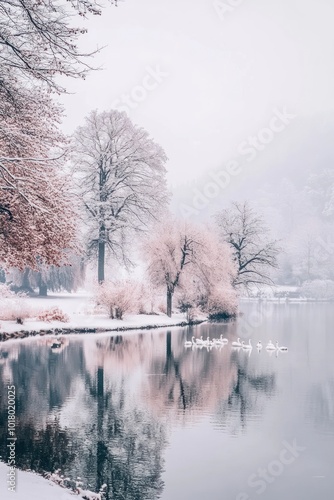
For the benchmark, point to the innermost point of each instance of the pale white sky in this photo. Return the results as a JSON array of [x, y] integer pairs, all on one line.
[[222, 76]]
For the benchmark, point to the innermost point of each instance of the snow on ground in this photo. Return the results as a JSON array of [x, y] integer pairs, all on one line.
[[30, 486], [79, 308]]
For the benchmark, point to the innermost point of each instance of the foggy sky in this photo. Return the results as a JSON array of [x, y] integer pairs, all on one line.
[[220, 77]]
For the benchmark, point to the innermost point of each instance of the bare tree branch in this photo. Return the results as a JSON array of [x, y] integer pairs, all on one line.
[[249, 238]]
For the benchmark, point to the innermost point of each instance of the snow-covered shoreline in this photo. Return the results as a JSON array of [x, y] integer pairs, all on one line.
[[81, 320], [40, 487], [58, 330], [32, 486]]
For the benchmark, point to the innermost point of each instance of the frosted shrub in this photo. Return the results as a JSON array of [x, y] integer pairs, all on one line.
[[318, 289], [147, 299], [5, 292], [54, 314], [76, 486], [13, 307], [217, 300], [15, 310], [162, 307], [192, 311], [188, 301], [119, 297], [221, 304]]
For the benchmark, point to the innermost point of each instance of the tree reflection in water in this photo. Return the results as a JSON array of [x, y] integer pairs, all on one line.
[[99, 409], [220, 381], [321, 406]]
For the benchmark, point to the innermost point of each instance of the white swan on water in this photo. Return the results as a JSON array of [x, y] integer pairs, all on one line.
[[236, 343], [189, 343], [270, 346], [220, 341], [247, 346], [259, 345], [280, 348]]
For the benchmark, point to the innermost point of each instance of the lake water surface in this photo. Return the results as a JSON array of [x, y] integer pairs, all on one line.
[[153, 419]]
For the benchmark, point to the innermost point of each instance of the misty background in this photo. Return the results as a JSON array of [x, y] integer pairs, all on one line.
[[205, 78]]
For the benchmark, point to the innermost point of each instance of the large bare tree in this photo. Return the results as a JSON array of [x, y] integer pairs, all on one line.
[[255, 252], [120, 172]]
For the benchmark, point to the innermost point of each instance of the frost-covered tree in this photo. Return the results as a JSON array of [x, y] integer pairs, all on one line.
[[55, 278], [318, 289], [38, 219], [320, 189], [38, 41], [187, 257], [311, 251], [255, 253], [37, 45], [120, 175]]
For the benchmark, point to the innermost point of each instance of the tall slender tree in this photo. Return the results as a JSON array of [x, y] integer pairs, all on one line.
[[120, 174]]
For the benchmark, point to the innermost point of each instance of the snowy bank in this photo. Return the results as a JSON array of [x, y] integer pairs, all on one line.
[[31, 486], [82, 319]]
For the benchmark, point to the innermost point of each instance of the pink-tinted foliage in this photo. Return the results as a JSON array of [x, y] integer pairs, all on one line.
[[37, 215], [222, 302], [13, 307], [53, 314], [38, 44], [5, 292], [188, 259], [119, 297]]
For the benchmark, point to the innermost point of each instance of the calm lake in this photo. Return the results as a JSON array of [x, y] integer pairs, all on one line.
[[153, 419]]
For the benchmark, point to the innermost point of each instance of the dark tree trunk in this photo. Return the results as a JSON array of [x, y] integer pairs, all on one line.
[[168, 345], [100, 271], [102, 228], [25, 286], [43, 289], [101, 451], [169, 354], [25, 279], [101, 256], [169, 303]]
